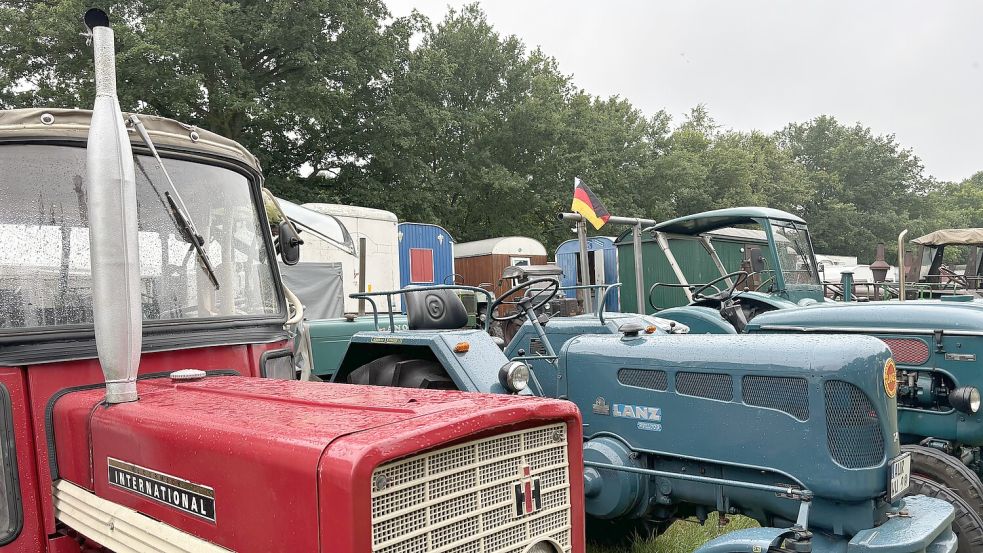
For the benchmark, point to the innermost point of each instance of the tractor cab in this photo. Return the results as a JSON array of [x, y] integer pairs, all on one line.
[[776, 269], [947, 262]]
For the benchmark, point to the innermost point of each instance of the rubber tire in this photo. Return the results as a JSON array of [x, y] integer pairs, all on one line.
[[402, 371], [936, 465], [621, 532], [968, 525]]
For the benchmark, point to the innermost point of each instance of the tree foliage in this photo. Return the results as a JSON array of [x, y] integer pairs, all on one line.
[[467, 128]]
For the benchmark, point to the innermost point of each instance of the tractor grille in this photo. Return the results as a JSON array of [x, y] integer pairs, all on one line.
[[908, 351], [476, 497], [853, 427], [787, 394], [642, 378], [708, 385]]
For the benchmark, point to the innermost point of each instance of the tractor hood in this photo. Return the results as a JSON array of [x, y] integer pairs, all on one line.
[[875, 317], [254, 464]]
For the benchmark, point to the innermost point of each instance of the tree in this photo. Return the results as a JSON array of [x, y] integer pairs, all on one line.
[[293, 81], [866, 188]]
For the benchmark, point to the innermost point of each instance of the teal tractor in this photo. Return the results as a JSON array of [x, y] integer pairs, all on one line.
[[801, 437], [937, 344]]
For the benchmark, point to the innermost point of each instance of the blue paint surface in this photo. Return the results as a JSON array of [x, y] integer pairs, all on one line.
[[420, 235], [566, 259]]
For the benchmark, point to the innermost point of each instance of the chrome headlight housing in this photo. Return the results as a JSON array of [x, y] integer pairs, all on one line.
[[965, 399], [514, 376]]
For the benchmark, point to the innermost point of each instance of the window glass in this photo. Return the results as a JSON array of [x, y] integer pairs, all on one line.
[[795, 257], [45, 277]]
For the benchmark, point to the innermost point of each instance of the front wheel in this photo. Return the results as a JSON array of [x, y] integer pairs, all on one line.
[[968, 525], [936, 465]]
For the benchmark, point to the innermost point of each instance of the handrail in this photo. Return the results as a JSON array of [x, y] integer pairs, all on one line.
[[402, 291]]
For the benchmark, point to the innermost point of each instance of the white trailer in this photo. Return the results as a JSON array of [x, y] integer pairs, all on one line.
[[381, 233]]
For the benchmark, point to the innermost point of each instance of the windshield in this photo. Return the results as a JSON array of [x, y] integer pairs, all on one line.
[[795, 257], [45, 277]]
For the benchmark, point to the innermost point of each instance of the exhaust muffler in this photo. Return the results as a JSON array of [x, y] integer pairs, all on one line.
[[113, 239]]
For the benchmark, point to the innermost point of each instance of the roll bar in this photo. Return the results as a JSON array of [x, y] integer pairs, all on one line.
[[368, 296]]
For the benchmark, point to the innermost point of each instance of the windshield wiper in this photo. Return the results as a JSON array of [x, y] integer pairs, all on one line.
[[180, 214]]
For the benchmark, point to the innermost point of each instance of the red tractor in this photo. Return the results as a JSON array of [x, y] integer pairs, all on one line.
[[144, 395]]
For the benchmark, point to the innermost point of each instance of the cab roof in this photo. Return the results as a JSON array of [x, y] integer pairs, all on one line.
[[699, 223], [167, 134], [952, 237]]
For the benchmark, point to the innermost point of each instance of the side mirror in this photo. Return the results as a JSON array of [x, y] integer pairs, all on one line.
[[757, 260], [289, 241]]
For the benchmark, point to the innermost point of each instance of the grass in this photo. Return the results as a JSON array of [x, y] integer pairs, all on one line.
[[682, 537]]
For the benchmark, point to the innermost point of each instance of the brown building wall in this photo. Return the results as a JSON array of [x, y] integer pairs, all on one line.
[[482, 269]]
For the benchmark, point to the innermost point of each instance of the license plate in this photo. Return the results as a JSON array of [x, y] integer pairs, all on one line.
[[900, 478]]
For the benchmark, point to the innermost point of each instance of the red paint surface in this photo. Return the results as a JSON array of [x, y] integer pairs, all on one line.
[[45, 380], [290, 462], [421, 265]]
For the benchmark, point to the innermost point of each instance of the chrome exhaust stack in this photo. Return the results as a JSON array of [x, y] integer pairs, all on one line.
[[113, 239]]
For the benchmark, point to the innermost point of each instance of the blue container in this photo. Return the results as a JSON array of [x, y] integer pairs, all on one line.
[[426, 254], [602, 257]]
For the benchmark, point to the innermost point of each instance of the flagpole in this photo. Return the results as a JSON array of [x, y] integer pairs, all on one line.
[[584, 265], [636, 235]]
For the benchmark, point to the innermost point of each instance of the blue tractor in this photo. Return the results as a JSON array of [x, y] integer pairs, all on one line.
[[800, 436], [937, 343]]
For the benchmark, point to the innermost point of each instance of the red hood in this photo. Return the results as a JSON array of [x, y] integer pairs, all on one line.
[[276, 452]]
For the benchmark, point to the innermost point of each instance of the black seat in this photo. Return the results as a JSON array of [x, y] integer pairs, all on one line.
[[435, 310]]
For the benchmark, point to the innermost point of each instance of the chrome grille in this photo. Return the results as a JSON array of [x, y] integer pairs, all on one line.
[[787, 394], [708, 385], [463, 499], [852, 425]]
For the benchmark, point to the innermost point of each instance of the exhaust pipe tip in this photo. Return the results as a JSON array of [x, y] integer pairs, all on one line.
[[95, 18]]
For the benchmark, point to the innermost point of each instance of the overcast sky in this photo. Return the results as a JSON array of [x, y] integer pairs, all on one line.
[[911, 68]]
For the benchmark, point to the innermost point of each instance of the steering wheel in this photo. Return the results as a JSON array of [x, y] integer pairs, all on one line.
[[741, 277], [657, 285], [525, 304], [453, 277]]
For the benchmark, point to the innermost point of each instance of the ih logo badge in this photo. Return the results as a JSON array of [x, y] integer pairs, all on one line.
[[890, 378], [528, 493]]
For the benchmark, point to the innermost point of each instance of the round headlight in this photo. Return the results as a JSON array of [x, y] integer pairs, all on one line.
[[514, 375], [965, 399]]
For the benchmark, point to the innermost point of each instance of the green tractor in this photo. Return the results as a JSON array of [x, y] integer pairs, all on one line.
[[937, 344]]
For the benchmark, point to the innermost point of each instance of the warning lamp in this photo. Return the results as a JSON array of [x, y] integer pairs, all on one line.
[[462, 347], [650, 329]]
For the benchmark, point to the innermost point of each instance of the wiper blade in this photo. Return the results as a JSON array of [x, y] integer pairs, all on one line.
[[179, 211]]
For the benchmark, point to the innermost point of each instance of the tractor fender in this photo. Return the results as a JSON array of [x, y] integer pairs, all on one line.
[[700, 320], [748, 540]]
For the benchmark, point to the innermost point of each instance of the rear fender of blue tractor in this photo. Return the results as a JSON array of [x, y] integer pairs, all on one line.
[[676, 425]]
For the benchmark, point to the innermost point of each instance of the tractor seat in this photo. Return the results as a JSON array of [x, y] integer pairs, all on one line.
[[435, 310]]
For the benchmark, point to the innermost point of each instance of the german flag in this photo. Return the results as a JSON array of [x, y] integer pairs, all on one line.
[[589, 205]]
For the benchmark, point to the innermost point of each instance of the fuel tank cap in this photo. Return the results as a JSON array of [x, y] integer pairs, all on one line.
[[185, 375], [630, 330]]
